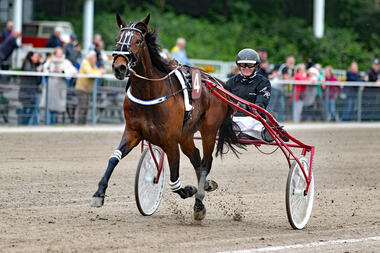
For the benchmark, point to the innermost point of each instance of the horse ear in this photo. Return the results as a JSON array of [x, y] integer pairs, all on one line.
[[146, 20], [120, 21]]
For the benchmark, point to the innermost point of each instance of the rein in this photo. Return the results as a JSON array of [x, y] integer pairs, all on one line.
[[153, 79]]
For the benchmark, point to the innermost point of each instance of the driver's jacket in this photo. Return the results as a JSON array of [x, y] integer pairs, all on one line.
[[255, 89]]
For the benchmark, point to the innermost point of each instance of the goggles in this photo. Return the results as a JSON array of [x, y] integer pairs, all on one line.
[[244, 65]]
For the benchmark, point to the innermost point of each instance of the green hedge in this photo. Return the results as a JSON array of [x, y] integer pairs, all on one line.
[[221, 39]]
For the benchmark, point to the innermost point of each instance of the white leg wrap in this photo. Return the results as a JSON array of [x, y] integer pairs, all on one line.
[[174, 186], [188, 106], [116, 154]]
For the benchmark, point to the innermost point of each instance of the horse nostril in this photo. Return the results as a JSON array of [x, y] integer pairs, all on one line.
[[122, 69]]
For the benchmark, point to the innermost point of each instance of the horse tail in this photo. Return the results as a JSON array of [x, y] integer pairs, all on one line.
[[227, 137]]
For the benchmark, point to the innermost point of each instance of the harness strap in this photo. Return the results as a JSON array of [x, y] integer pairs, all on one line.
[[150, 79], [145, 102], [188, 106], [153, 101]]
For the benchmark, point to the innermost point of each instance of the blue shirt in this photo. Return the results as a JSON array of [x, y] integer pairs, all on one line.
[[180, 56]]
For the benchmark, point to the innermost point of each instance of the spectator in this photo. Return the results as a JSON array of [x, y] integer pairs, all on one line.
[[165, 54], [7, 31], [299, 92], [73, 51], [4, 110], [84, 86], [264, 68], [35, 119], [373, 72], [102, 54], [371, 94], [179, 52], [57, 85], [73, 54], [95, 46], [29, 87], [6, 49], [311, 92], [234, 71], [309, 63], [54, 40], [262, 51], [283, 71], [318, 108], [351, 92], [331, 93]]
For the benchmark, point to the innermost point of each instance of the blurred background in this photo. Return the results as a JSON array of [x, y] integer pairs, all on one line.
[[341, 34]]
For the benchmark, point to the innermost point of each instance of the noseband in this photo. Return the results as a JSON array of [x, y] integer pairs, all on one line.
[[125, 45]]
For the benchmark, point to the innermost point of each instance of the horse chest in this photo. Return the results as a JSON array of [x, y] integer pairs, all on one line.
[[149, 122]]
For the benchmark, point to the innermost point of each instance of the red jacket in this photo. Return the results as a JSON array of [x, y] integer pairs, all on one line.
[[300, 88]]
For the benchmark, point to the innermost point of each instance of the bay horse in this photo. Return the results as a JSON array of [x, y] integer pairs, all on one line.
[[136, 55]]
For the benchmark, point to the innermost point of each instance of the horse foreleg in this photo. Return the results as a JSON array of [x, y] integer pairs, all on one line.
[[175, 182], [126, 145]]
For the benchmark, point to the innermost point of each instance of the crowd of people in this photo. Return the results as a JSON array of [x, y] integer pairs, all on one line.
[[318, 101], [287, 102], [65, 59]]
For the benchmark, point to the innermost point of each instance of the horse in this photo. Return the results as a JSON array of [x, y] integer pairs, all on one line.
[[137, 56]]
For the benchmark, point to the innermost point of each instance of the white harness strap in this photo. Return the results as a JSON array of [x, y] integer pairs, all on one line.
[[144, 102], [188, 106]]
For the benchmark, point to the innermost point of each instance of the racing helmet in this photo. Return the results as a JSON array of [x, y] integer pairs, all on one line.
[[248, 55]]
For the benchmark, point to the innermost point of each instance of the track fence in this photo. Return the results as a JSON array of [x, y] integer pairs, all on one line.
[[106, 101]]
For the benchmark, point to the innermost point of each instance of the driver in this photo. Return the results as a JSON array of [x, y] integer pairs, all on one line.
[[253, 87]]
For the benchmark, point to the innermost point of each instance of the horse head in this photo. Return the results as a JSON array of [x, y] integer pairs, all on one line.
[[129, 45]]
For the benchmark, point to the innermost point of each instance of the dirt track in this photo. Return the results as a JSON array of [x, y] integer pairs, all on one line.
[[47, 180]]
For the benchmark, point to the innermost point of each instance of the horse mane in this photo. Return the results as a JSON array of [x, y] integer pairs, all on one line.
[[151, 38]]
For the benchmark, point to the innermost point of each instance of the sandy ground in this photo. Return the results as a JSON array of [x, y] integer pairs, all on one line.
[[47, 180]]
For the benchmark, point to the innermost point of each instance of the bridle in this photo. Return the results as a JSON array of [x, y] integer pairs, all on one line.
[[125, 51], [125, 45]]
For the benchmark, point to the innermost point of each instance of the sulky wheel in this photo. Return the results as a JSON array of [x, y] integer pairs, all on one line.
[[299, 205], [147, 193]]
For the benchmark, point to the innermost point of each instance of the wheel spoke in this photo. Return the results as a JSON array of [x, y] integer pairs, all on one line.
[[148, 193], [298, 205]]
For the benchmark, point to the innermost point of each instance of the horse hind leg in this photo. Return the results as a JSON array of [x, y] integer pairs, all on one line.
[[126, 145], [208, 143], [189, 149], [203, 184]]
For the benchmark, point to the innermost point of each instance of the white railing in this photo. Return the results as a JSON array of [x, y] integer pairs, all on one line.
[[111, 77], [42, 74], [220, 68]]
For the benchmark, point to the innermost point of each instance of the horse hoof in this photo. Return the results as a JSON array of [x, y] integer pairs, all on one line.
[[199, 210], [190, 190], [211, 185], [97, 202]]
